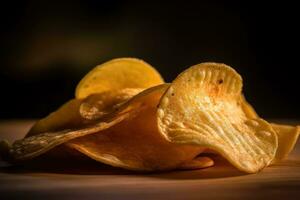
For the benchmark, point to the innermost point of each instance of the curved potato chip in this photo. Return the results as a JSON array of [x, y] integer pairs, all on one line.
[[136, 143], [36, 145], [33, 146], [287, 138], [65, 117], [118, 74], [249, 112], [203, 107], [287, 135], [78, 112]]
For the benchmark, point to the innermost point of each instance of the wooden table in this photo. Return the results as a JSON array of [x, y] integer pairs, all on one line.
[[281, 181]]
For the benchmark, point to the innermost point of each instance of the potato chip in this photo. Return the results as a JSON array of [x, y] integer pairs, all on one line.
[[287, 138], [38, 144], [128, 138], [114, 120], [287, 135], [33, 146], [136, 143], [249, 111], [118, 74], [67, 116], [203, 107], [79, 112]]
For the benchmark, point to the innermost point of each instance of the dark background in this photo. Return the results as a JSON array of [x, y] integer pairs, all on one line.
[[48, 46]]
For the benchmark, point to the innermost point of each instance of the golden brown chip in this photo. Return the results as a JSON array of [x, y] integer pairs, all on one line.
[[203, 107], [36, 145], [287, 138], [67, 116], [163, 127], [287, 135], [33, 146], [118, 74], [79, 112], [136, 143]]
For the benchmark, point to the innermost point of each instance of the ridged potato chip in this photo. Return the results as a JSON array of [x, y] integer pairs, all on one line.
[[116, 120], [287, 134], [128, 138], [203, 107], [136, 143], [118, 74]]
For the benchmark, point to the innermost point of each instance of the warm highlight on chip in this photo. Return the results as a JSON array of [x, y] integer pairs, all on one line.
[[214, 117], [118, 74], [124, 115]]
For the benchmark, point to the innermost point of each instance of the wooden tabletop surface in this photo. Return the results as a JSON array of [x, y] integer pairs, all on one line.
[[95, 181]]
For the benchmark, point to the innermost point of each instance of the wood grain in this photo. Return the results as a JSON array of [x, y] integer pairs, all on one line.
[[95, 181]]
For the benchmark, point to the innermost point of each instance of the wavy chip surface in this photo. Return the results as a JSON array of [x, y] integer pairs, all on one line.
[[287, 135], [38, 144], [79, 112], [203, 107], [65, 117], [116, 120], [136, 143], [128, 138]]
